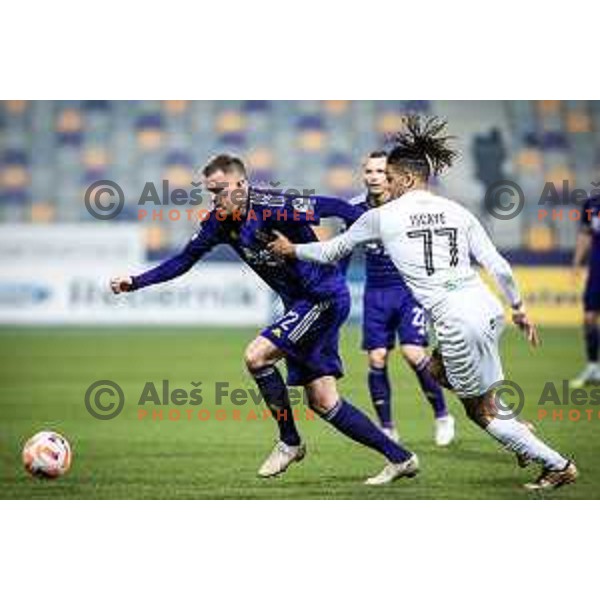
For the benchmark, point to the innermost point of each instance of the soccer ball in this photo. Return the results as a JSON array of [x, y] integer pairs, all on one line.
[[47, 454]]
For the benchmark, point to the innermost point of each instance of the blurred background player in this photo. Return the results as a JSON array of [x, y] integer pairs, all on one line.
[[390, 310], [316, 301], [588, 245], [431, 240]]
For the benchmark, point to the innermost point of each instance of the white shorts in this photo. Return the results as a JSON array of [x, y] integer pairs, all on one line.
[[468, 328]]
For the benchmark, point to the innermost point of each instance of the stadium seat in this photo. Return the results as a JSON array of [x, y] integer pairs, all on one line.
[[540, 238], [42, 212], [307, 144], [154, 237], [69, 125]]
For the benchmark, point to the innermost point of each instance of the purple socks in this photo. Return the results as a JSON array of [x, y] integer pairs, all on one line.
[[275, 394], [431, 388], [357, 426], [381, 395]]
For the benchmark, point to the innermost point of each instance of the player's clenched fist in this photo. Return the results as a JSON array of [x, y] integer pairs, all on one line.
[[121, 284]]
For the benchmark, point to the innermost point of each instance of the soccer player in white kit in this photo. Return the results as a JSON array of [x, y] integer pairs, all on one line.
[[430, 239]]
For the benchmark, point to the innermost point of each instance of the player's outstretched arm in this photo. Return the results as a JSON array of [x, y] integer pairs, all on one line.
[[365, 229], [167, 270], [486, 254], [177, 265]]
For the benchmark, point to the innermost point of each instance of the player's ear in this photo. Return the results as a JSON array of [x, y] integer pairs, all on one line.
[[409, 179]]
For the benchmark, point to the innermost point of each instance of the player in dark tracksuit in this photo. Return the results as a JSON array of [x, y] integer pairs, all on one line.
[[315, 297], [390, 312], [588, 245]]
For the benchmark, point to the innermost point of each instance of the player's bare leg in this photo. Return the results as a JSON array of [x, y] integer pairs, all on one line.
[[591, 373], [517, 437], [261, 357], [419, 361], [381, 391], [325, 400], [437, 369]]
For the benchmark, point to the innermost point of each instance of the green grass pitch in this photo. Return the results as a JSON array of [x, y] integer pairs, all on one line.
[[44, 373]]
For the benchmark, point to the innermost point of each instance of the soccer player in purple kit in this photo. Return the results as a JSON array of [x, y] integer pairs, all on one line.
[[390, 311], [316, 301], [588, 244]]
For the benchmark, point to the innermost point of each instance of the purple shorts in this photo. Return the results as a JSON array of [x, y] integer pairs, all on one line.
[[591, 295], [309, 334], [391, 313]]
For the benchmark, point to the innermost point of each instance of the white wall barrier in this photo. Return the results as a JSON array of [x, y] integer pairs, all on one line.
[[28, 245], [211, 294], [60, 274]]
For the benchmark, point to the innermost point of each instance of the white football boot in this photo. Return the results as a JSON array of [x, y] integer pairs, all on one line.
[[590, 374], [392, 471], [444, 430], [281, 457]]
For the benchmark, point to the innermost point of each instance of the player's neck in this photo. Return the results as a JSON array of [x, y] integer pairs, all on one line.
[[417, 187], [377, 199]]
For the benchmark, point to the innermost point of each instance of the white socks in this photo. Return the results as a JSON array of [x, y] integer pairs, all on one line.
[[516, 437]]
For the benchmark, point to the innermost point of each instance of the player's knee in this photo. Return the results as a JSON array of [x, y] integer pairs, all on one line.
[[472, 410], [479, 410], [321, 404], [322, 395], [413, 354], [255, 358], [378, 358], [590, 319]]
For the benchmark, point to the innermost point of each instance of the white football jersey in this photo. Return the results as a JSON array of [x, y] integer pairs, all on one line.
[[430, 239]]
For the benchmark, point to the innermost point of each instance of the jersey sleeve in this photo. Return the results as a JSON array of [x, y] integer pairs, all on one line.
[[311, 209], [275, 206], [365, 229], [326, 207], [486, 254], [206, 238]]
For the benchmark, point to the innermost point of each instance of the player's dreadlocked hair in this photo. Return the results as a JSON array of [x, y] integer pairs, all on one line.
[[422, 147]]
